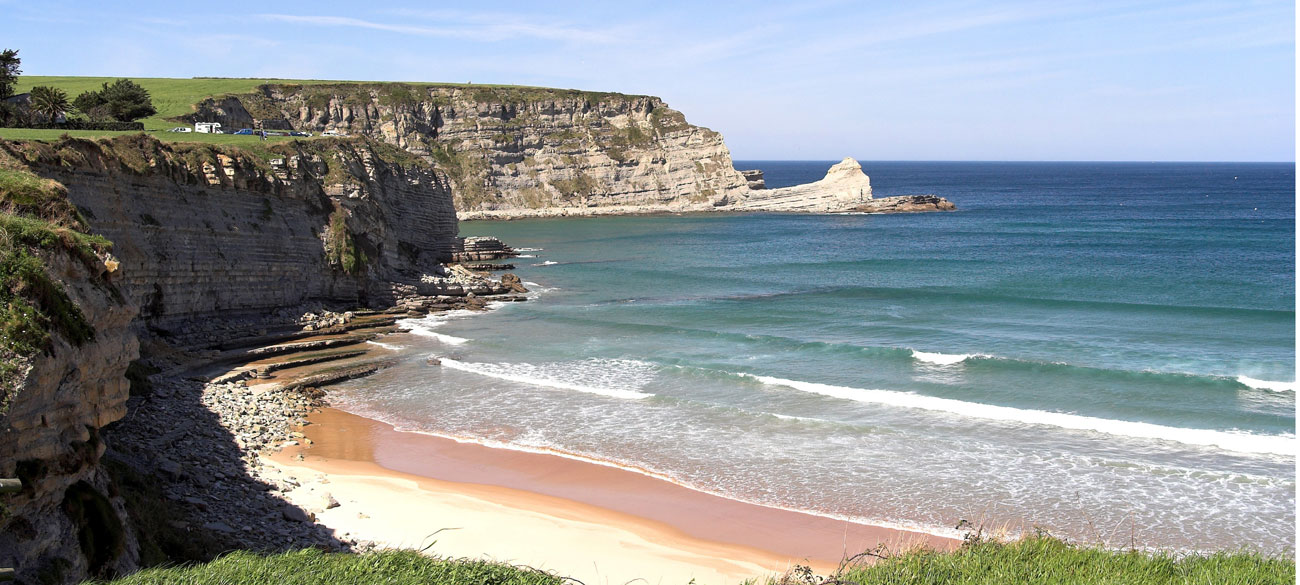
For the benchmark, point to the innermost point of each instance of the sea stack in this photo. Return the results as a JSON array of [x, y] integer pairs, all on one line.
[[844, 187]]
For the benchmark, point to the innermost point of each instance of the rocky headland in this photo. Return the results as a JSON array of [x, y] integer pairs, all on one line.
[[132, 446], [513, 152]]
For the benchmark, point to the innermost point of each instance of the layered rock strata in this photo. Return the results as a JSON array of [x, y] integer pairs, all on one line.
[[515, 148], [213, 250], [204, 235], [66, 522]]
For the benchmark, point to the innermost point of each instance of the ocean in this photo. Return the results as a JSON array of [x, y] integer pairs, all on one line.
[[1105, 351]]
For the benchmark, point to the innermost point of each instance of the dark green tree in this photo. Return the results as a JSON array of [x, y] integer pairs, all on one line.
[[49, 101], [127, 101], [9, 71], [91, 103]]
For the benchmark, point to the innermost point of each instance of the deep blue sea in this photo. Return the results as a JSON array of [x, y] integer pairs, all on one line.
[[1103, 350]]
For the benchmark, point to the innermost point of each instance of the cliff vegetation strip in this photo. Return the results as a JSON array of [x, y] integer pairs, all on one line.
[[36, 220]]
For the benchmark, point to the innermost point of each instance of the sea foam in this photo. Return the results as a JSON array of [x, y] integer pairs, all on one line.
[[416, 328], [942, 359], [1232, 441], [536, 376], [1267, 385]]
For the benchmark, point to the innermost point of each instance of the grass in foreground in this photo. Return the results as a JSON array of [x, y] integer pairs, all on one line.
[[313, 567], [1047, 560]]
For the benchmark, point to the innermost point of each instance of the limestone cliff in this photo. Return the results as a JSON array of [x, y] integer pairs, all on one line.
[[204, 233], [208, 244], [515, 148], [65, 524]]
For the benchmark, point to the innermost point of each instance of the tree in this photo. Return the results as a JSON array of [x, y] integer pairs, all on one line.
[[91, 103], [9, 71], [127, 101], [50, 101]]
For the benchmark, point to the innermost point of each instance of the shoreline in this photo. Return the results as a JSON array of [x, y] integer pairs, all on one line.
[[362, 462]]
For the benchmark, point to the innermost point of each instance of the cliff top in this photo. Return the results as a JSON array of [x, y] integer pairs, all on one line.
[[174, 97]]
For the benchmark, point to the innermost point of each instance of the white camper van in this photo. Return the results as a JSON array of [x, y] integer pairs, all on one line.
[[208, 127]]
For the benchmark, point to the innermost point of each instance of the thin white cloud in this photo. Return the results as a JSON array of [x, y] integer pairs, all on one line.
[[477, 31]]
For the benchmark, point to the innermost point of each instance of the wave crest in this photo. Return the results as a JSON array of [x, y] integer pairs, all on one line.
[[537, 376], [1231, 441]]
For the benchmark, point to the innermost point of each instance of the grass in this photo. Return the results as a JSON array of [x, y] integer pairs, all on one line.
[[1047, 560], [1033, 560], [313, 567], [174, 97]]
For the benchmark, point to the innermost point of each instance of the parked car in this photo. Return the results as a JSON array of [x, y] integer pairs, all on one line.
[[296, 133], [333, 133], [244, 131], [181, 129]]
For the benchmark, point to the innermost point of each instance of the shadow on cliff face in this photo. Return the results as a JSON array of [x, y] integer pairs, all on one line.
[[186, 482]]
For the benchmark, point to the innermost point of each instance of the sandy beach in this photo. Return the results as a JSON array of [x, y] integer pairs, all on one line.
[[595, 523]]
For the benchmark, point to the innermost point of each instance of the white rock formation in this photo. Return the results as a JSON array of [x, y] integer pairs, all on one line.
[[844, 187]]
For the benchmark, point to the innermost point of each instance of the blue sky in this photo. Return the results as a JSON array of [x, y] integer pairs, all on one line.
[[1065, 80]]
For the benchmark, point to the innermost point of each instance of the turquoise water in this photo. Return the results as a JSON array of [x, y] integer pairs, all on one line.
[[1103, 350]]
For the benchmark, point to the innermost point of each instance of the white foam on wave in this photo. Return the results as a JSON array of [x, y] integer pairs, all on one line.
[[1267, 384], [1241, 442], [525, 256], [529, 249], [422, 327], [943, 359], [537, 376], [388, 346], [547, 263]]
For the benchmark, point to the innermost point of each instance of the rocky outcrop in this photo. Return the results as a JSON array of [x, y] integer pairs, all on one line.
[[845, 188], [66, 522], [754, 178], [515, 148], [476, 248], [905, 204]]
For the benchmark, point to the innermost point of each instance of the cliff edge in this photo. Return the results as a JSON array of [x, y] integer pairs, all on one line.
[[514, 151]]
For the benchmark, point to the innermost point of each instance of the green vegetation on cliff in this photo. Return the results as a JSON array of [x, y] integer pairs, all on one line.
[[313, 567], [36, 219]]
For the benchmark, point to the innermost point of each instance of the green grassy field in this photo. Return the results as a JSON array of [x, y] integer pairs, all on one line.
[[171, 97]]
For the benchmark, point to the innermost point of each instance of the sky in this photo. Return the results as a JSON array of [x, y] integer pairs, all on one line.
[[811, 80]]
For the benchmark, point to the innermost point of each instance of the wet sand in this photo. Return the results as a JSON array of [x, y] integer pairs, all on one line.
[[596, 523]]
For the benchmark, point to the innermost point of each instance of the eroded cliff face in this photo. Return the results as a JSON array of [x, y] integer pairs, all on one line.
[[208, 244], [204, 234], [514, 148], [66, 524]]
